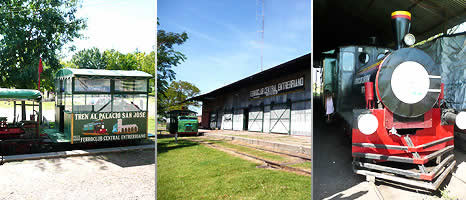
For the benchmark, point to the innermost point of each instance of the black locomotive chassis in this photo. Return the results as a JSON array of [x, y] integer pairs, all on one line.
[[413, 178]]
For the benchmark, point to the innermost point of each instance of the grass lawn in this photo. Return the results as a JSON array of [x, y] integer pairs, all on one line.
[[304, 165], [250, 151], [188, 170], [151, 125], [48, 105]]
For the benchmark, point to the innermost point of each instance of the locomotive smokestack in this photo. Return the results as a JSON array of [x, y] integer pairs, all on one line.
[[401, 22]]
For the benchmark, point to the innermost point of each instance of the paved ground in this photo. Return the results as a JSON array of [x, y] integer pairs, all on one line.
[[334, 178], [271, 137], [127, 175]]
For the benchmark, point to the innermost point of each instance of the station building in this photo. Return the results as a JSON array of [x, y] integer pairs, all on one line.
[[276, 100]]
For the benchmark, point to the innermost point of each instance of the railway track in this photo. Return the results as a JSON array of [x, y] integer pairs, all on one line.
[[277, 152], [268, 163]]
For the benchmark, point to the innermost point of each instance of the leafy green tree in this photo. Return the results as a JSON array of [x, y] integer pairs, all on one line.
[[119, 61], [33, 29], [167, 58], [176, 94], [146, 62], [89, 59]]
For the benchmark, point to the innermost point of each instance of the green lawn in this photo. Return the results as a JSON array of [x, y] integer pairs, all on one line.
[[304, 165], [48, 105], [250, 151], [152, 125], [188, 170]]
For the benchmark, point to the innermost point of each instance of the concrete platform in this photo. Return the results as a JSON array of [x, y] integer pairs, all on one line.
[[61, 154], [276, 142]]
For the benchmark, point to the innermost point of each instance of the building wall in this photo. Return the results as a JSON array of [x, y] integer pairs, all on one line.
[[271, 114]]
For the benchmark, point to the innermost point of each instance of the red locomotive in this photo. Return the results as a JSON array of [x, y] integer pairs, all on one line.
[[392, 101]]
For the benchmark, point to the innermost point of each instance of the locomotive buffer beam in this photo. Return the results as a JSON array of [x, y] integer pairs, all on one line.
[[415, 154], [378, 171]]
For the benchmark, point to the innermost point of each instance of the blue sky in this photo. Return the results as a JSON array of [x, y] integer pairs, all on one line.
[[119, 24], [224, 45]]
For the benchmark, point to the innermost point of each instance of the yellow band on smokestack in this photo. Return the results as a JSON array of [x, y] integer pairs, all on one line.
[[404, 14]]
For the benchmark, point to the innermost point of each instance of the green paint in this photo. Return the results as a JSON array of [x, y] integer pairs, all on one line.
[[187, 124], [106, 126]]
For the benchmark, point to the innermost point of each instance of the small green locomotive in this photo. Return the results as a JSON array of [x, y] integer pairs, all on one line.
[[182, 122]]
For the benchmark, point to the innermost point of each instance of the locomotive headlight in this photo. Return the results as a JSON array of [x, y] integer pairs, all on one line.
[[410, 82], [367, 124], [409, 39], [461, 120]]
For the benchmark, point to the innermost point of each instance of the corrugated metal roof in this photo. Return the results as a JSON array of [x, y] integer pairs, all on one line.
[[285, 68], [339, 22], [20, 94], [66, 72]]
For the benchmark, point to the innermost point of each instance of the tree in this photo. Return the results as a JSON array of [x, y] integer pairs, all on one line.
[[89, 59], [147, 64], [176, 94], [119, 61], [167, 58], [33, 29]]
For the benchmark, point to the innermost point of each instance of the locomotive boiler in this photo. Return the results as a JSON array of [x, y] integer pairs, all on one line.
[[392, 100]]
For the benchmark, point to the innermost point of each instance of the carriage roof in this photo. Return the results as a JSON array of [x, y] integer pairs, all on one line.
[[20, 95], [181, 113], [72, 72]]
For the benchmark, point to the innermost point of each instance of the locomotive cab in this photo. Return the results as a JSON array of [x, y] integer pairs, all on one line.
[[341, 66], [182, 122]]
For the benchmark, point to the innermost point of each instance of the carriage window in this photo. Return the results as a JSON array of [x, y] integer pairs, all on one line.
[[59, 98], [81, 103], [100, 102], [91, 85], [126, 102], [347, 61], [67, 86], [130, 85], [68, 102]]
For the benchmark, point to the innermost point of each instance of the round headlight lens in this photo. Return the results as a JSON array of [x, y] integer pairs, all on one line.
[[367, 124], [409, 39], [461, 120], [410, 82]]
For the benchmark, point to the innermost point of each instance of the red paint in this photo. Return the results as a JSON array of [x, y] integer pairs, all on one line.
[[369, 94], [389, 123], [377, 81], [427, 177], [402, 16], [5, 131], [40, 71], [440, 97], [421, 136]]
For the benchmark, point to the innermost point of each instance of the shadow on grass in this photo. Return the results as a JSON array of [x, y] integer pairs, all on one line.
[[166, 145]]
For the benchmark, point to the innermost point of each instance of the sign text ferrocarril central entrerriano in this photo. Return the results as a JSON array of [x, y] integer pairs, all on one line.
[[277, 88]]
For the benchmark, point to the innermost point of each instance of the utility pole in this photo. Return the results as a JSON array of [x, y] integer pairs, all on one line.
[[260, 15]]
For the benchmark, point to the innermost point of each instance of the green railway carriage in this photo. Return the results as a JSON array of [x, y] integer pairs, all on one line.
[[11, 125], [94, 105], [182, 122], [18, 132]]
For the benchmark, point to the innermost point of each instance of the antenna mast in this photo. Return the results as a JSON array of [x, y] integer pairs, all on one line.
[[260, 14]]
